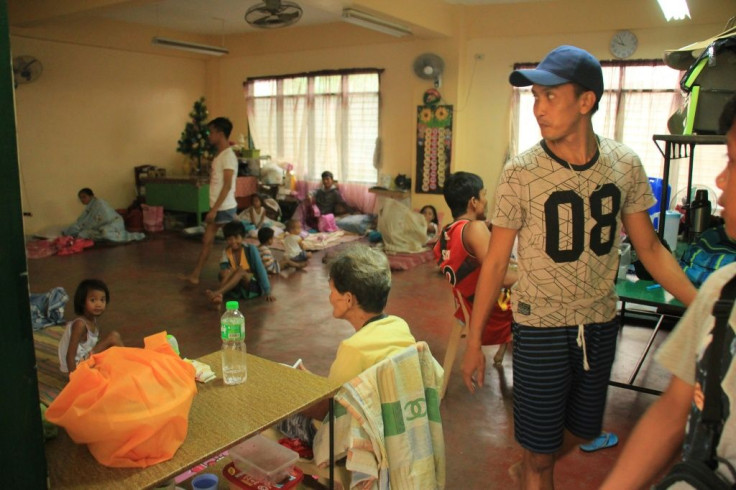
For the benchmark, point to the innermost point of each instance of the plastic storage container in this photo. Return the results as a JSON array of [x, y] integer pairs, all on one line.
[[239, 480], [264, 459]]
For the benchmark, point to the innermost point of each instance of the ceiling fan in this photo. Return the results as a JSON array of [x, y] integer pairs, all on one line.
[[272, 14]]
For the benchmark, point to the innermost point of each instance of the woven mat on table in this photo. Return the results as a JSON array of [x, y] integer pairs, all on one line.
[[50, 379]]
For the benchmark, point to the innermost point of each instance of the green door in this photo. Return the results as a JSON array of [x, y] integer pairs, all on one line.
[[23, 463]]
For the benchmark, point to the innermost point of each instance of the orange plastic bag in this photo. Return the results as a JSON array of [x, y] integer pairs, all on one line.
[[129, 405]]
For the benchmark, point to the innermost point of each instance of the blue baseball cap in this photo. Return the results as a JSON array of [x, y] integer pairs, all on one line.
[[563, 64]]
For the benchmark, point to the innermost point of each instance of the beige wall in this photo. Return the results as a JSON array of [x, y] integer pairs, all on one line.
[[93, 115], [96, 112]]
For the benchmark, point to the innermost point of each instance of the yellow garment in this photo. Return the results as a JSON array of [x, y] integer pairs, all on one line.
[[368, 346], [243, 263], [391, 434]]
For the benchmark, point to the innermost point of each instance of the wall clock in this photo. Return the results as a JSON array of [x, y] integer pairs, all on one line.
[[623, 44]]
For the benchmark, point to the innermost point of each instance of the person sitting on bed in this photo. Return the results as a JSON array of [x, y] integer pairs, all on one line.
[[242, 274], [99, 221], [360, 281]]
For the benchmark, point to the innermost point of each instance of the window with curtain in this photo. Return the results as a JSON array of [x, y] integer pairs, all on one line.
[[318, 121], [638, 100]]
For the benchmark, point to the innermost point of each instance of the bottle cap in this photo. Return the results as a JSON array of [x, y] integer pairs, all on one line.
[[231, 305]]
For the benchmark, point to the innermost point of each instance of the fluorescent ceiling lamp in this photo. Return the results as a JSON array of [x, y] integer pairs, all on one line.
[[187, 46], [369, 21], [674, 9]]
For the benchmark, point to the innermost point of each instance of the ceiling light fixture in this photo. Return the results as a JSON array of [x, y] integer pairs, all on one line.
[[187, 46], [376, 23], [674, 9]]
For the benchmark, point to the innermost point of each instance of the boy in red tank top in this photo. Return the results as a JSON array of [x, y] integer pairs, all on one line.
[[460, 250]]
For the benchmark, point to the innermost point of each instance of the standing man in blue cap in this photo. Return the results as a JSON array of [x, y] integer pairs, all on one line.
[[566, 198]]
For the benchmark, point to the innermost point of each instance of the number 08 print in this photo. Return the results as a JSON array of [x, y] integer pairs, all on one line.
[[434, 147]]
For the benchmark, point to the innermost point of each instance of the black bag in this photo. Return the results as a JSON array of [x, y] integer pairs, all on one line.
[[703, 475], [695, 473]]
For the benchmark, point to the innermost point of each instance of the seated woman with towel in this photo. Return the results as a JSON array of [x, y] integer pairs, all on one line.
[[99, 221], [360, 280]]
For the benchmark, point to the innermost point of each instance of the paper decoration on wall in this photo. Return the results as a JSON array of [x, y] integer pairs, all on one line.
[[434, 147]]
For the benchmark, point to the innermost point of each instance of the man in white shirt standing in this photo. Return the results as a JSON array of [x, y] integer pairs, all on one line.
[[223, 207]]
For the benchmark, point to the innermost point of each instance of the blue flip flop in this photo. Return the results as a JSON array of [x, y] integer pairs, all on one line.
[[606, 439]]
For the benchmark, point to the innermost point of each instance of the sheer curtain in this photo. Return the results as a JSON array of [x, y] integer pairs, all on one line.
[[318, 121]]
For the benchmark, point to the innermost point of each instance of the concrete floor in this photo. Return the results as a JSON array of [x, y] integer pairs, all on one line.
[[147, 296]]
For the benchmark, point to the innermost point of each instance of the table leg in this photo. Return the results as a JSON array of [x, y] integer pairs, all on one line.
[[646, 350], [622, 318]]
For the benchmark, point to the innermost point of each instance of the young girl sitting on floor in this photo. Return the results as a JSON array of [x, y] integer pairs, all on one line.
[[81, 336], [433, 225], [256, 215]]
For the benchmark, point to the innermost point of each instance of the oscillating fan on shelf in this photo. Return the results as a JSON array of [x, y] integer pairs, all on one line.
[[272, 14], [26, 69], [429, 66]]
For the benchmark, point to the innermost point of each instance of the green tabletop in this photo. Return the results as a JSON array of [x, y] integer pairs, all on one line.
[[645, 293]]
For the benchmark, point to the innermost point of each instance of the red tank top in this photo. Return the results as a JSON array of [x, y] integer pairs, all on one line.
[[462, 269]]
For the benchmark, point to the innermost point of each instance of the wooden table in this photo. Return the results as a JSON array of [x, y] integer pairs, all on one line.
[[221, 416]]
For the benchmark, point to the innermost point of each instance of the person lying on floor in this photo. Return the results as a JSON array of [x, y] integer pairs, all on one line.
[[242, 274], [360, 280], [99, 221]]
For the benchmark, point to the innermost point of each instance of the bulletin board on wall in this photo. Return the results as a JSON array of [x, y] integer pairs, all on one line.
[[434, 147]]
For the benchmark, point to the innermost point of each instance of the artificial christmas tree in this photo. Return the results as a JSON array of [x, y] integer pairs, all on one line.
[[193, 141]]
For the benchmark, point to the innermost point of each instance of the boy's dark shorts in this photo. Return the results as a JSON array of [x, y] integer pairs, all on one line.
[[552, 391]]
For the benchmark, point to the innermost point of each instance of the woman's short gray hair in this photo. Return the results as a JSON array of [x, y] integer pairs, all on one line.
[[365, 273]]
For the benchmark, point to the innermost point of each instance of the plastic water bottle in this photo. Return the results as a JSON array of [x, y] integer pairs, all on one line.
[[232, 331]]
